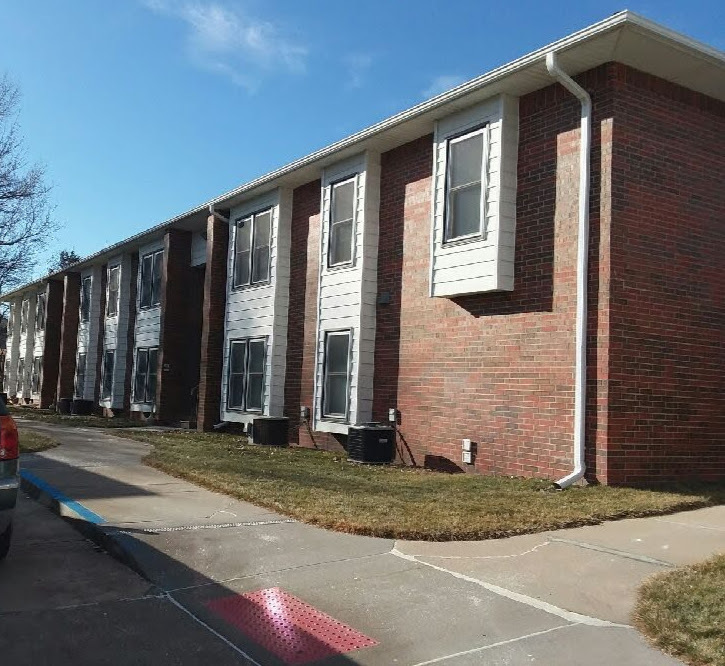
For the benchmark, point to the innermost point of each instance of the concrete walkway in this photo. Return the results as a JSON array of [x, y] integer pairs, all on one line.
[[559, 597]]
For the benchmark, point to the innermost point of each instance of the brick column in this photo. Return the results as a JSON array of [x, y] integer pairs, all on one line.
[[212, 333], [51, 344], [69, 335], [173, 397]]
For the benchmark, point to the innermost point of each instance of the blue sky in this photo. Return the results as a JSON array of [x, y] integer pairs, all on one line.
[[142, 109]]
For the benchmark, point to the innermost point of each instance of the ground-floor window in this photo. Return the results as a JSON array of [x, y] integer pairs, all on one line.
[[36, 377], [245, 384], [109, 357], [80, 376], [144, 383], [336, 387], [20, 377]]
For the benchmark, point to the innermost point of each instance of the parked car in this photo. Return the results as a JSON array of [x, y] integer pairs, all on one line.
[[9, 479]]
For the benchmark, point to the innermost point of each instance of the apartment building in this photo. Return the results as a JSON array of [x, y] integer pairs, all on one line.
[[529, 261]]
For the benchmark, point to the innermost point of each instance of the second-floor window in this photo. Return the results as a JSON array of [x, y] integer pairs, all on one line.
[[151, 266], [464, 193], [24, 315], [11, 318], [86, 298], [342, 222], [252, 249], [114, 273], [40, 313], [144, 382]]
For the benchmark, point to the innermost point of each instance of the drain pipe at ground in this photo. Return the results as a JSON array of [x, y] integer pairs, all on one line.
[[580, 370]]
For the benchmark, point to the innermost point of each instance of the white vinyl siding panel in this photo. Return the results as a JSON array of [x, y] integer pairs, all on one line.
[[26, 344], [260, 310], [347, 293], [38, 337], [115, 334], [148, 320], [88, 331], [198, 249], [13, 349], [484, 262]]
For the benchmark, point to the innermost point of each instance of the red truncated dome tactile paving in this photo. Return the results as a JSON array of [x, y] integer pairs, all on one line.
[[287, 627]]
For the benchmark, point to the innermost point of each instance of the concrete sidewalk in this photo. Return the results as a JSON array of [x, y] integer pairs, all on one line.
[[552, 598]]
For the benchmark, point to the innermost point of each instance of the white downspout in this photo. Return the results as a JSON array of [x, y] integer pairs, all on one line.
[[580, 370]]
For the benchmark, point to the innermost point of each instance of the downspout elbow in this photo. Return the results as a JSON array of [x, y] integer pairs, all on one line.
[[580, 366]]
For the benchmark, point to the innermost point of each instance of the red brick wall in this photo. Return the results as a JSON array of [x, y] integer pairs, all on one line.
[[51, 342], [173, 391], [302, 322], [212, 335], [667, 370], [69, 335]]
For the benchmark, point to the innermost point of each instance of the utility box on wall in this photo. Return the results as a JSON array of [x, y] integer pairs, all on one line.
[[270, 431]]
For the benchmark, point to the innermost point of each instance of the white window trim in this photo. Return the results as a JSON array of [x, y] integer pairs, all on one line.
[[115, 267], [245, 376], [482, 230], [330, 418], [152, 254], [353, 177], [253, 217]]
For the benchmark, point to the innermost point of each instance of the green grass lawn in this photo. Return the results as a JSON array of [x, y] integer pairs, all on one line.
[[48, 416], [322, 488], [683, 612], [32, 442]]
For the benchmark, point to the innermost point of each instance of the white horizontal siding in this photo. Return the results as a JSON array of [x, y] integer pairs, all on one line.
[[147, 329], [26, 346], [487, 263], [260, 311], [13, 349], [347, 295]]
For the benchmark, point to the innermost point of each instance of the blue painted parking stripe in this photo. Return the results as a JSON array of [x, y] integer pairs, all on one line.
[[85, 513]]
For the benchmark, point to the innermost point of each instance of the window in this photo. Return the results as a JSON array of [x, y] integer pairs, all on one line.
[[144, 385], [24, 316], [80, 376], [342, 222], [86, 299], [36, 377], [245, 389], [151, 279], [40, 313], [19, 380], [252, 249], [11, 318], [464, 178], [109, 357], [114, 273], [337, 374]]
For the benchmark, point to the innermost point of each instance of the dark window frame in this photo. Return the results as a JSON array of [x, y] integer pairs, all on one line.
[[24, 312], [146, 398], [20, 378], [36, 375], [112, 301], [252, 217], [108, 394], [353, 221], [78, 384], [154, 277], [455, 138], [85, 304], [335, 417], [40, 312], [245, 374]]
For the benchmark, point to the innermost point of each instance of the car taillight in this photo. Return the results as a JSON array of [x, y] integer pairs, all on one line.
[[8, 439]]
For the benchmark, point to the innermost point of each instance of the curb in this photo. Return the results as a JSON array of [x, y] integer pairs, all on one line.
[[109, 539]]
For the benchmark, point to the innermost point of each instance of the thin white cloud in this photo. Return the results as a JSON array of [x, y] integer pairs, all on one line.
[[225, 40], [357, 65], [442, 83]]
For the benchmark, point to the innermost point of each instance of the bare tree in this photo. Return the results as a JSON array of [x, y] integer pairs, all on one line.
[[26, 220]]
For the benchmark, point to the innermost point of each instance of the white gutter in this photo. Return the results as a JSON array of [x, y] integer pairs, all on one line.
[[580, 370]]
